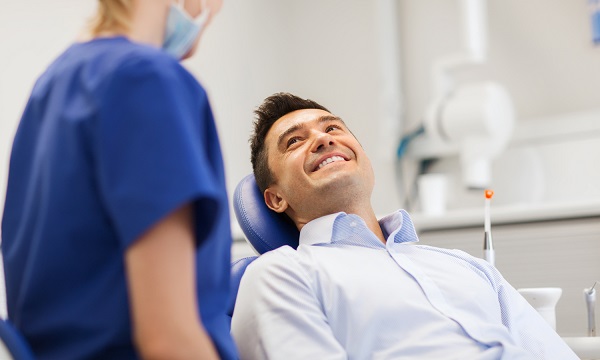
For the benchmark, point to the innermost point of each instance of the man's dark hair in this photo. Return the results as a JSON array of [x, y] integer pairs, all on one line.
[[272, 109]]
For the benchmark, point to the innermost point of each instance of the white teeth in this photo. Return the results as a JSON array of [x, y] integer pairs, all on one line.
[[330, 160]]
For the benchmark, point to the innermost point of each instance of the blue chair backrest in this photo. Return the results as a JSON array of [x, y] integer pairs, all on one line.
[[14, 342], [265, 229], [237, 271]]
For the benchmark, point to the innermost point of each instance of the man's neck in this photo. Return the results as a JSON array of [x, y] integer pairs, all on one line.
[[372, 223], [365, 212]]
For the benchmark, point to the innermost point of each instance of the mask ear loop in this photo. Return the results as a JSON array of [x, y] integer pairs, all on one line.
[[204, 14]]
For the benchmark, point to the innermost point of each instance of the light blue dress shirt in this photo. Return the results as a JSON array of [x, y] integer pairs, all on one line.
[[343, 294]]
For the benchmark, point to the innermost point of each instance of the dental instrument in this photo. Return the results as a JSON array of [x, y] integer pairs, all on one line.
[[488, 246], [590, 300]]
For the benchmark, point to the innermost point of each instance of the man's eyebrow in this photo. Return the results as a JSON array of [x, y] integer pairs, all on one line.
[[287, 132], [326, 118], [296, 127]]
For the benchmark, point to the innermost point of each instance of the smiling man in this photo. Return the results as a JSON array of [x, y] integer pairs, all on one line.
[[335, 176], [356, 287]]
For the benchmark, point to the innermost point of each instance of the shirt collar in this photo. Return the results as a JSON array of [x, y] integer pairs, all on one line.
[[397, 226]]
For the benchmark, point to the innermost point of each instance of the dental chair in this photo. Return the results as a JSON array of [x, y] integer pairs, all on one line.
[[265, 229]]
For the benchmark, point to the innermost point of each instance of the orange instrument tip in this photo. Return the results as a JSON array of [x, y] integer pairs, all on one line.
[[489, 194]]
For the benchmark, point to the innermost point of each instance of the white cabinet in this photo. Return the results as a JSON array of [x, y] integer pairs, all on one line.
[[561, 253]]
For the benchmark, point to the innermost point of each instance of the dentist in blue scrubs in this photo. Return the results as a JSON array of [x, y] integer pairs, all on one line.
[[115, 234]]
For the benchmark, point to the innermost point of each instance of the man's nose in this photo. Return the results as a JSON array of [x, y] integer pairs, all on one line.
[[322, 141]]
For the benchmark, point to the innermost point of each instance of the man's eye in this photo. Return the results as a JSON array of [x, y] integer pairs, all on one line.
[[332, 127], [292, 141]]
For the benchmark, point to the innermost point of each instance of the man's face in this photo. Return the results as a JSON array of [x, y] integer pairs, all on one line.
[[317, 164]]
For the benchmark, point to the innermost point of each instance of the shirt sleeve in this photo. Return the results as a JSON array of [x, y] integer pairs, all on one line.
[[527, 327], [277, 315], [149, 147]]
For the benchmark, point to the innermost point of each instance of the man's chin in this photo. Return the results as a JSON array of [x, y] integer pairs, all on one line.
[[338, 181]]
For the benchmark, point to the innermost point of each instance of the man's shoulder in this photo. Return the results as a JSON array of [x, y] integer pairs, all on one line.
[[278, 272], [280, 256], [281, 264]]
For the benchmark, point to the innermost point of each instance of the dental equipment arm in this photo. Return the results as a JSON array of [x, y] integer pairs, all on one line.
[[474, 121], [488, 246]]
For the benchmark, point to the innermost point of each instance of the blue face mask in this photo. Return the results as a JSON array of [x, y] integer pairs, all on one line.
[[181, 30]]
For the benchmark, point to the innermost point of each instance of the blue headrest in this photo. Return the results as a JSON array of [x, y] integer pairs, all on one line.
[[265, 229], [238, 268]]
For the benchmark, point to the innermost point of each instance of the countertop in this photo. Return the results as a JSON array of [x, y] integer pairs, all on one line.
[[508, 214]]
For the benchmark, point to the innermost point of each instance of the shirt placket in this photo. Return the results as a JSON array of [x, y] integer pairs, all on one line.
[[431, 290]]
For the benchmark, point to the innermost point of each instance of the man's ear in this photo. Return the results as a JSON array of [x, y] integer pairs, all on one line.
[[274, 201]]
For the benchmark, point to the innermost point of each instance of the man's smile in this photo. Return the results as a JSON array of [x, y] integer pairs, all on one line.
[[329, 159]]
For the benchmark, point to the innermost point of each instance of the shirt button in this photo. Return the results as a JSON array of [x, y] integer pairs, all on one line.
[[353, 224]]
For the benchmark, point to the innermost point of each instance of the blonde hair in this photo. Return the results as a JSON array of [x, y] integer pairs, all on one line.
[[111, 15]]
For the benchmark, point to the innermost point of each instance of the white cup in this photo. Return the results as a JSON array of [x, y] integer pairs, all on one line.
[[432, 189], [543, 300]]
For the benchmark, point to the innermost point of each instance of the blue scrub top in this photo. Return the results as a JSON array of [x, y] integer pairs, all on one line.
[[115, 136]]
